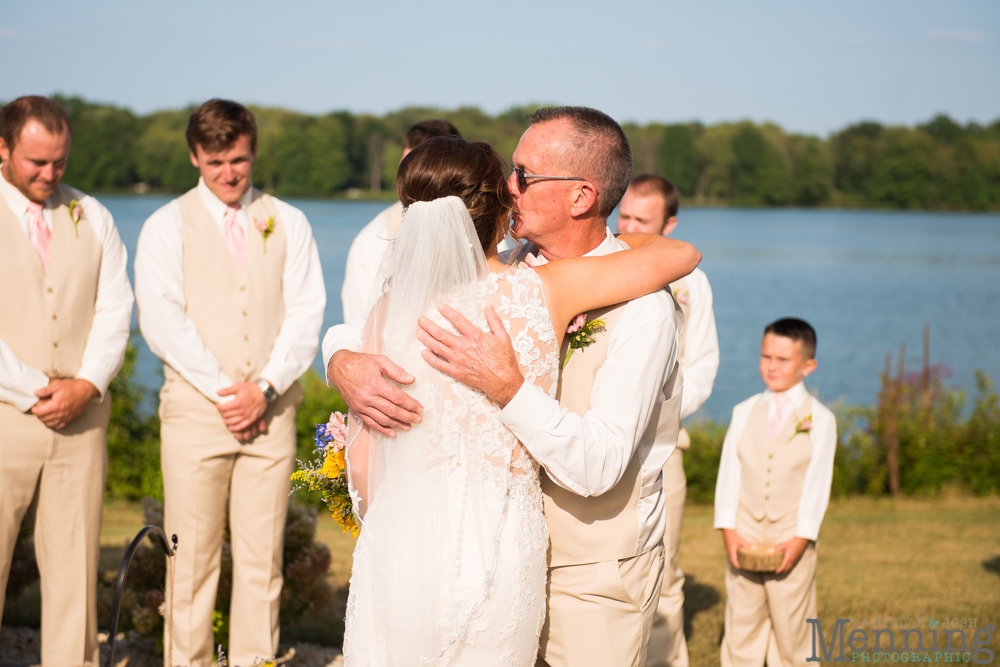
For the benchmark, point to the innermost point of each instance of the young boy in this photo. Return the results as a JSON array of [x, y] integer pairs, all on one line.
[[773, 489]]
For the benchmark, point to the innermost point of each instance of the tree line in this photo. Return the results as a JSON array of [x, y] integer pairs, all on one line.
[[939, 165]]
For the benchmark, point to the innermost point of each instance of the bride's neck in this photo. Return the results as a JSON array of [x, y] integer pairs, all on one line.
[[493, 261]]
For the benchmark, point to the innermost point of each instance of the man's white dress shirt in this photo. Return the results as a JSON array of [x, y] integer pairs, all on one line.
[[700, 358], [105, 348], [173, 337], [363, 261], [588, 455], [819, 474]]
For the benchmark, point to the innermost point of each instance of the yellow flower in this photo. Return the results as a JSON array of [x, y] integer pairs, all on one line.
[[334, 464]]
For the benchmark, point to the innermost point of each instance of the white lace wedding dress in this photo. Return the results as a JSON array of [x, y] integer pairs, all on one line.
[[450, 565]]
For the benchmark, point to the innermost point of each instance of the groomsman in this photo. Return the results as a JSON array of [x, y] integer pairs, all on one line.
[[370, 244], [231, 297], [650, 205], [64, 324]]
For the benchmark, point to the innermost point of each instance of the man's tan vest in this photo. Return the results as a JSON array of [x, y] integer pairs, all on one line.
[[238, 313], [605, 527], [46, 318], [772, 472]]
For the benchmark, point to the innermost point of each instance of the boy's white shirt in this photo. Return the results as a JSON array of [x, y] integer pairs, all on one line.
[[819, 475]]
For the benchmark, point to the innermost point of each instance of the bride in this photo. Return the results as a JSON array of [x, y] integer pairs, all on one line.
[[450, 564]]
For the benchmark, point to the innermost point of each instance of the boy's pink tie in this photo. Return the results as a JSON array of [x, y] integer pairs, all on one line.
[[39, 234], [236, 238], [778, 416]]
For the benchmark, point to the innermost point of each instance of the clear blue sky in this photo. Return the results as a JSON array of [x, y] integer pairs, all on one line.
[[809, 66]]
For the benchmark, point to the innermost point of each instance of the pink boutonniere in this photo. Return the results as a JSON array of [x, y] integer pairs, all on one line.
[[266, 228], [682, 297], [581, 334], [803, 426], [76, 215]]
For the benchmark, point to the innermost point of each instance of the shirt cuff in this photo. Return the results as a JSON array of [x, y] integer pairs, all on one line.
[[24, 398], [807, 529], [725, 519], [521, 414], [99, 380]]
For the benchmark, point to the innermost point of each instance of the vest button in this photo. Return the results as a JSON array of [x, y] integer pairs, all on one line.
[[248, 362], [243, 288], [55, 343], [767, 484], [244, 313], [769, 470], [770, 456], [246, 337], [767, 497], [54, 316], [50, 290]]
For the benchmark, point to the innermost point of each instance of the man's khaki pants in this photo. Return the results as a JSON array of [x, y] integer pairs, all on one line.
[[203, 466], [600, 614], [766, 613], [67, 470], [667, 645]]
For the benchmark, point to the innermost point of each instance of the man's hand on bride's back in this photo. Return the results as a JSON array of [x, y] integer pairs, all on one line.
[[486, 362], [361, 381]]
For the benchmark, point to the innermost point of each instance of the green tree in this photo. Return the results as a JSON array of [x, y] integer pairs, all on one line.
[[680, 160], [101, 157], [760, 172], [812, 171], [901, 171]]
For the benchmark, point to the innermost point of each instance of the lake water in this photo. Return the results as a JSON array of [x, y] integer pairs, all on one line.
[[867, 281]]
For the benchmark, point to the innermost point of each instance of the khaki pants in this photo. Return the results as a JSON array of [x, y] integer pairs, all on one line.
[[667, 645], [203, 466], [600, 614], [766, 613], [67, 470]]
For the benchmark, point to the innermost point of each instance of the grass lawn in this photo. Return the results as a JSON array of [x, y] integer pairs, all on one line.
[[906, 559]]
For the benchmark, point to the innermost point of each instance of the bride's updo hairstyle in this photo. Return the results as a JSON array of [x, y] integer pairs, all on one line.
[[471, 170]]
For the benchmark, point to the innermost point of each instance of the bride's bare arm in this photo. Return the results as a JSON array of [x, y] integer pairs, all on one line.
[[357, 466], [574, 286]]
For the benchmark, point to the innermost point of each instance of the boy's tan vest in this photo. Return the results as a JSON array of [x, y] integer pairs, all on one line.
[[238, 313], [46, 318], [605, 527], [772, 472]]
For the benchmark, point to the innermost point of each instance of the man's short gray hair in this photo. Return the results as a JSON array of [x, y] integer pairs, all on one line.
[[599, 151]]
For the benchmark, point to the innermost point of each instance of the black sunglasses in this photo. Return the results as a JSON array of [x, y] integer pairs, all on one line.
[[522, 178]]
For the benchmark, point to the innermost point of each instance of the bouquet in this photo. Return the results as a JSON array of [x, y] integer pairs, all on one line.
[[327, 473]]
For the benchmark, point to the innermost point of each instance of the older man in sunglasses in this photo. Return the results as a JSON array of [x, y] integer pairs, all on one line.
[[603, 442]]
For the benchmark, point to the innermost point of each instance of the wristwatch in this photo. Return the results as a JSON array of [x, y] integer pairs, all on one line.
[[269, 393]]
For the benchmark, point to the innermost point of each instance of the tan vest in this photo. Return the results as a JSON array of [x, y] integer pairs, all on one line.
[[237, 312], [605, 527], [46, 318], [772, 472]]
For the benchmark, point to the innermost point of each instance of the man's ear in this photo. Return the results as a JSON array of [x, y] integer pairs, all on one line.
[[584, 199], [670, 226], [194, 160], [4, 151]]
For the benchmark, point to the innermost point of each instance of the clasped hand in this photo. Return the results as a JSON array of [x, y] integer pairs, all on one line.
[[62, 401], [244, 414]]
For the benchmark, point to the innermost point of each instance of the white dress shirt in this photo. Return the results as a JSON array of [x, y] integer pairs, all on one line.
[[819, 474], [363, 261], [173, 337], [700, 358], [105, 348], [588, 455]]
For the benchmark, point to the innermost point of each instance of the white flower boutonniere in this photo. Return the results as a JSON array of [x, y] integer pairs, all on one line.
[[76, 215], [266, 228], [803, 426]]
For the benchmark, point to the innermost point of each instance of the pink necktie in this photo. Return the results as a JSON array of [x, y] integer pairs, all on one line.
[[236, 238], [39, 234], [778, 417]]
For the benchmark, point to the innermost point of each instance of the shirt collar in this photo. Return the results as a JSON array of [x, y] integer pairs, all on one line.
[[216, 207], [15, 198], [609, 245], [797, 394]]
